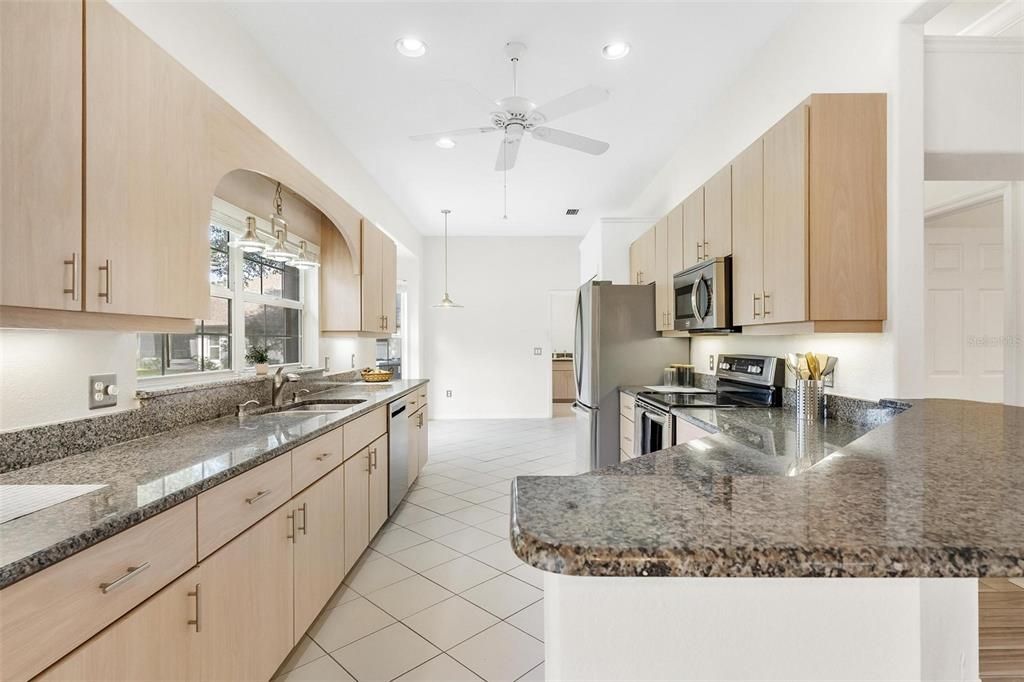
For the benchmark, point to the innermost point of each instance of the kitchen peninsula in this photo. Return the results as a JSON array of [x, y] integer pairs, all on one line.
[[860, 532]]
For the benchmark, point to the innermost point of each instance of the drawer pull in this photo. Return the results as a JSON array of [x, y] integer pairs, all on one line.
[[258, 496], [323, 455], [132, 572], [195, 593]]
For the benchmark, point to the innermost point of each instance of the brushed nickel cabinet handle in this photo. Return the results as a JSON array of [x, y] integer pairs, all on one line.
[[74, 276], [764, 304], [706, 249], [322, 456], [258, 496], [373, 458], [367, 461], [754, 299], [132, 572], [196, 623], [108, 269], [699, 257], [291, 530], [305, 522]]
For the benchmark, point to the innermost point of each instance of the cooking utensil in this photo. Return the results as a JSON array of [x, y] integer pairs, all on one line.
[[830, 366], [812, 366], [793, 362]]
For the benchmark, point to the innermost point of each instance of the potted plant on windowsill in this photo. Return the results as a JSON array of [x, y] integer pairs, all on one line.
[[257, 355]]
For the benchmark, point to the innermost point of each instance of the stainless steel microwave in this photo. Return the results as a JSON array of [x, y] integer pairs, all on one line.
[[703, 295]]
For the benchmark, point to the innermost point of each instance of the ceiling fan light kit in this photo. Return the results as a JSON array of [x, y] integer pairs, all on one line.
[[518, 115]]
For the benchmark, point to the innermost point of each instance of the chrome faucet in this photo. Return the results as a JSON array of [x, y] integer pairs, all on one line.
[[296, 394], [240, 409], [277, 391]]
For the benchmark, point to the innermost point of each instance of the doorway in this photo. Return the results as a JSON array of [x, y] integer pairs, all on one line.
[[965, 330]]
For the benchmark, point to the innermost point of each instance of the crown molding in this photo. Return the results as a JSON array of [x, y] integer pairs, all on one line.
[[977, 44]]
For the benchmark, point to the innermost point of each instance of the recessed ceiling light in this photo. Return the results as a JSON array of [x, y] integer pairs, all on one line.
[[445, 143], [411, 47], [615, 50]]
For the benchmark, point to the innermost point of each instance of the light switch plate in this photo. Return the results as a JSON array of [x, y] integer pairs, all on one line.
[[447, 394], [711, 363], [537, 350], [830, 380], [102, 391]]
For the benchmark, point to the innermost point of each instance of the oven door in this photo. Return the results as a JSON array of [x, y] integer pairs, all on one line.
[[653, 429]]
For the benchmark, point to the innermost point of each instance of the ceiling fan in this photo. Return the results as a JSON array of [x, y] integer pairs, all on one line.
[[518, 115]]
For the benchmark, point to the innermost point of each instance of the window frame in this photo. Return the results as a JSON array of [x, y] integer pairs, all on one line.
[[229, 217]]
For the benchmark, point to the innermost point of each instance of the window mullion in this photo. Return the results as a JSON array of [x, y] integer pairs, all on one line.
[[237, 310]]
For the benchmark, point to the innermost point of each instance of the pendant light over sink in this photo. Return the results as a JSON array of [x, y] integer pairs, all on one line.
[[447, 301], [279, 228]]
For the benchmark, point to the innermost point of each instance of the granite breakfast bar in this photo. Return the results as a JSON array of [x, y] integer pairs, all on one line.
[[859, 554]]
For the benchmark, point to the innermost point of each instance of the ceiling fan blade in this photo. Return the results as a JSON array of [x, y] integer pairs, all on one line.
[[571, 140], [576, 100], [452, 133], [507, 152]]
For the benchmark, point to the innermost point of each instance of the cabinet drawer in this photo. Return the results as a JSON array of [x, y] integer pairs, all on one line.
[[413, 401], [312, 460], [233, 506], [361, 432], [50, 613], [627, 403], [423, 393]]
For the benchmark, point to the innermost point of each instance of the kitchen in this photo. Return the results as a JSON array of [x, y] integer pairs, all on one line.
[[756, 326]]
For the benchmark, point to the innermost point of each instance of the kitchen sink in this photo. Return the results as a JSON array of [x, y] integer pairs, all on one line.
[[317, 406]]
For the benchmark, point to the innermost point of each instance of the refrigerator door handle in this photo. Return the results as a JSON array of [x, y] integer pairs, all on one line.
[[577, 356]]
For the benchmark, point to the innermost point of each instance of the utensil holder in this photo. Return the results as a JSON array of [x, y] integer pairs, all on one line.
[[810, 399]]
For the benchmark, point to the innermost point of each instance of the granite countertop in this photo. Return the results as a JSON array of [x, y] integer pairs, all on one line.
[[144, 477], [937, 491]]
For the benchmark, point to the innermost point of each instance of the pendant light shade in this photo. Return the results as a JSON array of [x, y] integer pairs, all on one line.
[[250, 242], [279, 251], [304, 261], [446, 301]]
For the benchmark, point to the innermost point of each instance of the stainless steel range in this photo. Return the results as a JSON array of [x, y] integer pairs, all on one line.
[[743, 381]]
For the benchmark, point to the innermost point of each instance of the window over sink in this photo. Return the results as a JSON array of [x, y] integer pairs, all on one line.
[[262, 299]]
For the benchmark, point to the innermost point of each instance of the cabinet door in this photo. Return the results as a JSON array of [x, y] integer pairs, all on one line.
[[693, 228], [389, 284], [340, 286], [649, 259], [718, 214], [413, 464], [635, 257], [156, 641], [372, 259], [319, 546], [148, 194], [378, 502], [41, 151], [748, 230], [663, 280], [246, 605], [675, 244], [357, 507], [785, 219], [422, 449]]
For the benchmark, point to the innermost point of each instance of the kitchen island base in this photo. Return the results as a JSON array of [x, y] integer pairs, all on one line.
[[621, 628]]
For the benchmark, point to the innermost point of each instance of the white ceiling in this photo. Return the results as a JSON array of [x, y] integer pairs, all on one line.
[[341, 58]]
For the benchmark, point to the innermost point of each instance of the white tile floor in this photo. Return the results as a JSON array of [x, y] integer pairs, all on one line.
[[440, 596]]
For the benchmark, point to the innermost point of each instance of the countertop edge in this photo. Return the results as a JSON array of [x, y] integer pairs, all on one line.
[[53, 554]]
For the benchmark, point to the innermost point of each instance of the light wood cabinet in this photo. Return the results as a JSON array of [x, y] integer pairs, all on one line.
[[718, 215], [675, 245], [748, 235], [360, 432], [642, 255], [663, 292], [246, 602], [378, 499], [147, 208], [50, 612], [357, 507], [319, 546], [340, 289], [41, 154], [413, 463], [156, 641], [312, 460], [379, 280], [389, 285], [422, 446], [563, 381], [693, 228]]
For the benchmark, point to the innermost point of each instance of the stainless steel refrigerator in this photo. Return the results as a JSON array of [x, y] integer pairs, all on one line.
[[616, 345]]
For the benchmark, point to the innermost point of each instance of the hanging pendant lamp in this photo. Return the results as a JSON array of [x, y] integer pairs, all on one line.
[[447, 301], [279, 228], [250, 242], [304, 261]]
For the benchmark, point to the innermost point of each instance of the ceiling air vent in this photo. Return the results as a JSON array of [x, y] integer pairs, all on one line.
[[572, 211]]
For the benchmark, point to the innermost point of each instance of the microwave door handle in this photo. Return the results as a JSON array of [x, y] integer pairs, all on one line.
[[693, 299]]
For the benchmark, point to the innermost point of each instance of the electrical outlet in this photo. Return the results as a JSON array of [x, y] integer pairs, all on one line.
[[102, 391], [711, 363], [830, 380], [447, 394], [537, 350]]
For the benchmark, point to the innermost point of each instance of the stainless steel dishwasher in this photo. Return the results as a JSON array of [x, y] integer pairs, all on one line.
[[398, 454]]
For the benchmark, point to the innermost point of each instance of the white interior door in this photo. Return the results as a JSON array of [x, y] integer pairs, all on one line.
[[964, 303]]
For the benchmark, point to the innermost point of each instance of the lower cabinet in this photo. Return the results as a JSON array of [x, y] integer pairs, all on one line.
[[156, 641], [378, 501], [319, 546], [413, 463], [357, 507], [245, 601], [421, 440]]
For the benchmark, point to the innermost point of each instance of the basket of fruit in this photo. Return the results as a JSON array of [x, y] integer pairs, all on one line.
[[375, 376]]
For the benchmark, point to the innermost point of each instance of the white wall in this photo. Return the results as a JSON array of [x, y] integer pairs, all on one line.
[[604, 251], [828, 47], [483, 352]]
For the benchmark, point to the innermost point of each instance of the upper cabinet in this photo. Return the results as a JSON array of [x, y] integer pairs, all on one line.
[[642, 258], [41, 154], [748, 235], [379, 280], [693, 228], [717, 240], [663, 298], [365, 302], [148, 194]]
